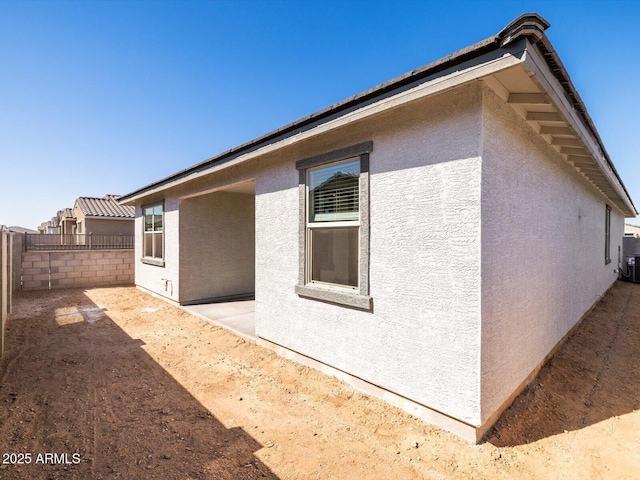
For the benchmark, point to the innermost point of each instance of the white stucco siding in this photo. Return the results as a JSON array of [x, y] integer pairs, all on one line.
[[422, 338], [196, 194], [217, 245], [150, 276], [543, 241]]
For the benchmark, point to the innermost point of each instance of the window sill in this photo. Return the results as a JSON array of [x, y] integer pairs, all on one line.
[[607, 261], [334, 295], [158, 262]]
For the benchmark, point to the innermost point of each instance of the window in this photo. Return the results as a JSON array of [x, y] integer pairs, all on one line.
[[334, 226], [607, 238], [152, 239], [333, 222]]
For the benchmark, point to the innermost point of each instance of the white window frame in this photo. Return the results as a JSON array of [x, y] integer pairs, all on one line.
[[357, 297], [153, 260], [310, 226]]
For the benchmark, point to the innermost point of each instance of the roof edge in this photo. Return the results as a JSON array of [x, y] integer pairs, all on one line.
[[557, 69], [530, 25], [305, 123]]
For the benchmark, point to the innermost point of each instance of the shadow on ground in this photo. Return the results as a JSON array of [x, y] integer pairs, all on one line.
[[595, 376], [73, 382]]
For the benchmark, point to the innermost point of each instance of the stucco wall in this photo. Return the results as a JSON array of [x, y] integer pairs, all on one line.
[[108, 227], [163, 280], [217, 245], [422, 338], [462, 190], [543, 241]]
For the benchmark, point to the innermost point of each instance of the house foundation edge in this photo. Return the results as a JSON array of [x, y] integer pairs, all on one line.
[[471, 433], [428, 415], [488, 425]]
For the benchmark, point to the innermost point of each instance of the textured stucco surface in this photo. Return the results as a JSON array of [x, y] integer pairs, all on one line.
[[150, 277], [109, 227], [543, 241], [422, 338], [217, 245], [161, 280], [486, 247]]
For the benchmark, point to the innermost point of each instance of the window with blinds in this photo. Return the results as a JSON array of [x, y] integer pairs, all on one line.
[[333, 224], [334, 192]]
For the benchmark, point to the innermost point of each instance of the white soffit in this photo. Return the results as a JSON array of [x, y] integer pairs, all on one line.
[[551, 115]]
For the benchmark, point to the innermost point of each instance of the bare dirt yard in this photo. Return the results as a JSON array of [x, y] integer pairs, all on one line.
[[118, 384]]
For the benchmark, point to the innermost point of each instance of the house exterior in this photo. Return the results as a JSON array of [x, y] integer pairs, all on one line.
[[434, 238], [101, 216], [631, 230], [67, 221], [23, 230]]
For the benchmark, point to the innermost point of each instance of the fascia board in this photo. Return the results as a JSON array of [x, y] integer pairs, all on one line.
[[458, 75], [537, 66]]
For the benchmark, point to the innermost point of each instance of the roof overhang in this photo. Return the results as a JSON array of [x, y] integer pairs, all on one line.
[[535, 93], [519, 64]]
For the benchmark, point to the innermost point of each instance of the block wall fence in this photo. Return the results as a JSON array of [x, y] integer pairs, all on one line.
[[64, 269], [6, 280]]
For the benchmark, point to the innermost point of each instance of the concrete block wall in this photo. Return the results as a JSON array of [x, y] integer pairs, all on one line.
[[5, 281], [18, 242], [82, 268]]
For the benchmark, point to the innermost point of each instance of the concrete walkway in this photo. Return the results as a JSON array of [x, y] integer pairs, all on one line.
[[239, 317]]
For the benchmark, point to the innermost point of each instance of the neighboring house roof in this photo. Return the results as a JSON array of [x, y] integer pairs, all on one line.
[[22, 230], [550, 104], [105, 207], [631, 230], [66, 213]]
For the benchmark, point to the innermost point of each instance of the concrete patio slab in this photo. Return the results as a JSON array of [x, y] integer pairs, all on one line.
[[239, 317]]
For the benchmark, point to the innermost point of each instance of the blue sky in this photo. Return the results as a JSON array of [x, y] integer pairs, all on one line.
[[106, 97]]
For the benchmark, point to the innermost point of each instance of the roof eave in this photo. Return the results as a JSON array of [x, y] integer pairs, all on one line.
[[528, 29], [311, 121]]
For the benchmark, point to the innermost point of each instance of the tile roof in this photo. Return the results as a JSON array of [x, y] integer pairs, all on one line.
[[106, 206], [66, 213], [16, 229]]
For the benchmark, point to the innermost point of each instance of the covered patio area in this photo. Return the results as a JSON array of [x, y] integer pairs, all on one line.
[[237, 316]]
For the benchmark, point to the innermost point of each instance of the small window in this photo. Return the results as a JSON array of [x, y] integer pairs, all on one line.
[[607, 238], [153, 228]]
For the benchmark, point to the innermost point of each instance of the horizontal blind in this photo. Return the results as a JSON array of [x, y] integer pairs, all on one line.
[[153, 219], [334, 192]]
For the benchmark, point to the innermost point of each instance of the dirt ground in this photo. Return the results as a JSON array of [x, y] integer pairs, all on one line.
[[130, 387]]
